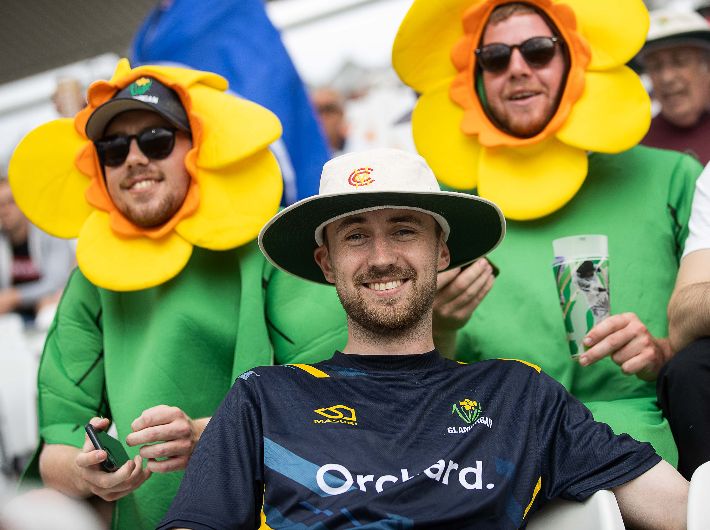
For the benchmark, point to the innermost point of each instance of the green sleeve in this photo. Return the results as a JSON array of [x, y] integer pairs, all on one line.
[[680, 197], [71, 387], [305, 320], [71, 374]]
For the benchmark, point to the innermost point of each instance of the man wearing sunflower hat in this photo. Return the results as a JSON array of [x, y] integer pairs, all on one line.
[[531, 105], [166, 180]]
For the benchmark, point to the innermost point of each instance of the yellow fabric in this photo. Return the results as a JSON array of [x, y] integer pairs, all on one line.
[[532, 181], [534, 496], [531, 365], [143, 262], [603, 105], [45, 183], [236, 183], [315, 372]]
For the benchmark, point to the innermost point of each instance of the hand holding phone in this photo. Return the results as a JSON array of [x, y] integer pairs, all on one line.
[[116, 455]]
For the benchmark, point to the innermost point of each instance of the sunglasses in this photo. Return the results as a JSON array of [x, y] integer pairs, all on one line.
[[155, 142], [537, 52]]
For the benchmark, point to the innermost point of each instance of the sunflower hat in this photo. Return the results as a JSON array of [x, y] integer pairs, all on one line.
[[235, 187], [603, 107]]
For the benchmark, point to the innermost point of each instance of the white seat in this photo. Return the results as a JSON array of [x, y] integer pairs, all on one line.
[[598, 512], [699, 499]]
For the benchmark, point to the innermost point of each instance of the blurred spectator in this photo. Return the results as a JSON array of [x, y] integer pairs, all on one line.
[[330, 108], [68, 98], [676, 58], [33, 265]]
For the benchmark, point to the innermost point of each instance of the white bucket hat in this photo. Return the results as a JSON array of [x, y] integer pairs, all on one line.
[[373, 180], [675, 26]]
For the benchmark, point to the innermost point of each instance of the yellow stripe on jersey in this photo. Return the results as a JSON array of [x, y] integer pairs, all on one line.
[[315, 372], [531, 365], [264, 526], [535, 492]]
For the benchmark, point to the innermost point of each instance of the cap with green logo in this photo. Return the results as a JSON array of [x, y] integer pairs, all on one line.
[[145, 93]]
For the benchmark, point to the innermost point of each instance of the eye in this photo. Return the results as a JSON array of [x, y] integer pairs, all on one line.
[[405, 232], [355, 237]]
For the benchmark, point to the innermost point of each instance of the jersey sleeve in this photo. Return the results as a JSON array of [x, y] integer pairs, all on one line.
[[699, 224], [305, 320], [579, 455], [223, 484]]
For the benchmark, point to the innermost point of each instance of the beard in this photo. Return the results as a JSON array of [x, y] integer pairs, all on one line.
[[388, 316]]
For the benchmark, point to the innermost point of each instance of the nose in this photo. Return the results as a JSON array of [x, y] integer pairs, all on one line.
[[135, 155], [518, 65], [382, 253]]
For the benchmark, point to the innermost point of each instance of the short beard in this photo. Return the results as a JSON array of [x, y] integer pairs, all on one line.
[[385, 319]]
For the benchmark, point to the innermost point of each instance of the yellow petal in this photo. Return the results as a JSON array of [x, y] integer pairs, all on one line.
[[436, 126], [46, 184], [531, 182], [179, 75], [235, 203], [616, 30], [128, 264], [422, 47], [612, 115], [233, 128]]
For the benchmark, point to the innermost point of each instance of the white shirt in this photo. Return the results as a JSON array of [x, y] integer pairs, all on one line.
[[699, 224]]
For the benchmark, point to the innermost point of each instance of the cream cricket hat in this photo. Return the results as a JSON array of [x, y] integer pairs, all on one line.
[[372, 180], [673, 26]]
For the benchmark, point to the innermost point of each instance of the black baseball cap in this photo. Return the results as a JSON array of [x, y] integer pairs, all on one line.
[[145, 93]]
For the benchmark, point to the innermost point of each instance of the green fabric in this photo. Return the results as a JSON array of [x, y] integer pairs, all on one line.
[[181, 344], [641, 200]]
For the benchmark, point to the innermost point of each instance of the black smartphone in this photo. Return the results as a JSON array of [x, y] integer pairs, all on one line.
[[494, 269], [116, 454]]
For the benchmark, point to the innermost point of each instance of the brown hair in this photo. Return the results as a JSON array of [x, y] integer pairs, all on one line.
[[505, 11]]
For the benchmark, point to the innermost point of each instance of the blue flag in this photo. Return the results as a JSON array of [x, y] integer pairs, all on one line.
[[236, 39]]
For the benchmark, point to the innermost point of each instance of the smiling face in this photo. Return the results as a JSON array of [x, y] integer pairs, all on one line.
[[681, 82], [521, 98], [146, 191], [384, 265]]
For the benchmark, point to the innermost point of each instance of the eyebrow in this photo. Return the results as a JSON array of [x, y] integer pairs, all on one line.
[[360, 219]]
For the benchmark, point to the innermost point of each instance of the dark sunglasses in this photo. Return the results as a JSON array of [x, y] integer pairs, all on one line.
[[537, 52], [155, 142]]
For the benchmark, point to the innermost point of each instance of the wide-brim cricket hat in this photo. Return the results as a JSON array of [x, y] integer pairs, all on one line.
[[371, 180], [145, 93], [674, 26]]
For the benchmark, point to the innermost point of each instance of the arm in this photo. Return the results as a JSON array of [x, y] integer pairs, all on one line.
[[689, 310], [656, 499], [459, 292]]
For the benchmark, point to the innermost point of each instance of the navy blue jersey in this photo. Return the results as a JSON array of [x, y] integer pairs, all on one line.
[[397, 442]]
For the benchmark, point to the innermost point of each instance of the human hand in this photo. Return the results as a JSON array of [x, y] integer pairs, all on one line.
[[108, 486], [628, 342], [176, 434], [459, 292]]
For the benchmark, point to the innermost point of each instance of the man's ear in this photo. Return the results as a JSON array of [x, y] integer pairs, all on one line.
[[322, 258], [444, 254]]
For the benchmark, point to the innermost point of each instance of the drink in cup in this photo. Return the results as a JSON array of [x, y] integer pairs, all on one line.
[[581, 268]]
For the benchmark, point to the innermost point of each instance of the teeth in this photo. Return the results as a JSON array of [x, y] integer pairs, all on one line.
[[143, 184], [385, 286]]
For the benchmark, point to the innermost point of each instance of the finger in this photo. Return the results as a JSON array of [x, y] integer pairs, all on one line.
[[158, 415], [140, 474], [606, 327], [90, 457], [181, 447], [103, 482], [161, 433], [607, 346], [166, 466], [445, 278], [472, 294], [99, 423]]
